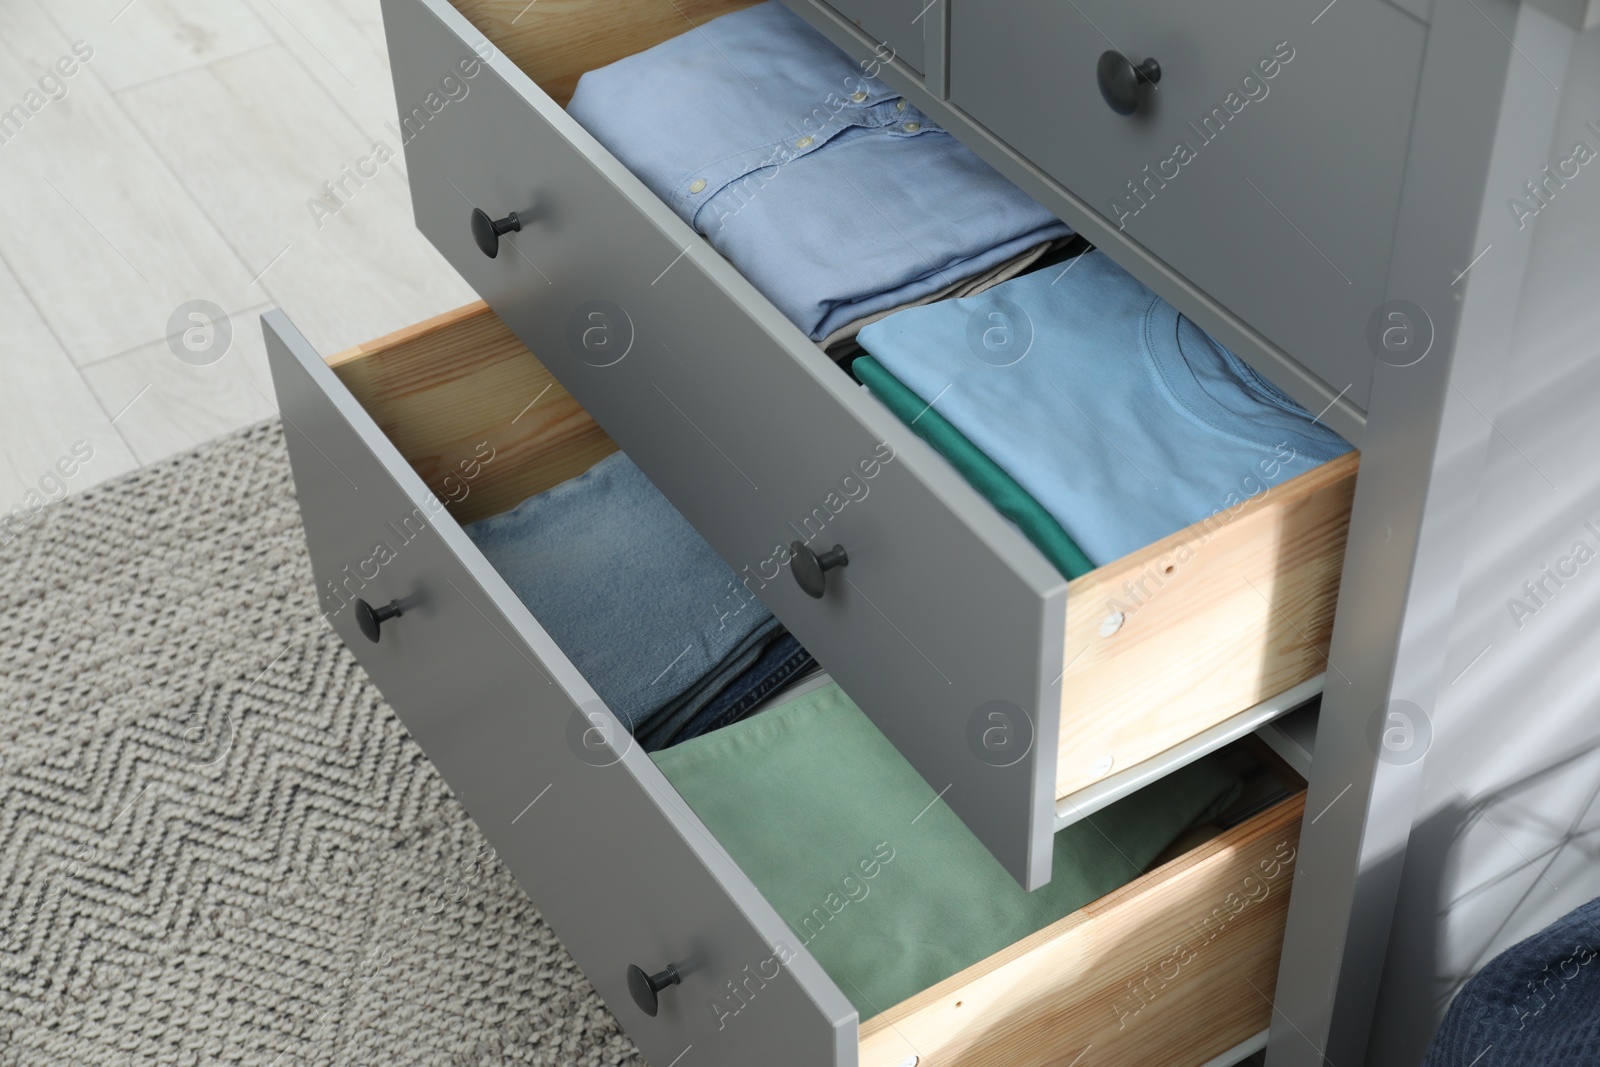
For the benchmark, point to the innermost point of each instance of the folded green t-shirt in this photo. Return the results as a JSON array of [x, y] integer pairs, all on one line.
[[887, 888], [983, 473]]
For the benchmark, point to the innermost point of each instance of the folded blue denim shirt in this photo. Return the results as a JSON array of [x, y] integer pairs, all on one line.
[[1122, 418], [633, 595], [833, 195]]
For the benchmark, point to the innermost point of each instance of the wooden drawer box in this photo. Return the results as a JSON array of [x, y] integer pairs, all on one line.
[[398, 442], [945, 612]]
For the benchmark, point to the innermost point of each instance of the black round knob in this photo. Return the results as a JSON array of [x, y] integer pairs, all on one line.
[[370, 618], [644, 987], [1120, 79], [810, 569], [487, 231]]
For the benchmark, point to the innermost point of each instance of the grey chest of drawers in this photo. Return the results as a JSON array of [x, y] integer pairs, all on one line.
[[1308, 185]]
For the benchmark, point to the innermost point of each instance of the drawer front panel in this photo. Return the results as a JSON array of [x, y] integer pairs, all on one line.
[[1172, 970], [605, 848], [943, 613], [1280, 203], [900, 24]]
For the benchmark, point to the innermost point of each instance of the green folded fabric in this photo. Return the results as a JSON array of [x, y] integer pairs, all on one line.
[[887, 888], [985, 475]]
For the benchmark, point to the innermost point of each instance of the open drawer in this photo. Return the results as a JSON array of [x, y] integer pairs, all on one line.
[[967, 649], [393, 446]]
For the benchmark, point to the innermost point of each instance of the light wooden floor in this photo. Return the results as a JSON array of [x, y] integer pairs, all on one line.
[[176, 163]]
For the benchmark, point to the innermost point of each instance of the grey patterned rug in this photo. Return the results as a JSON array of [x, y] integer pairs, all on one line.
[[217, 843]]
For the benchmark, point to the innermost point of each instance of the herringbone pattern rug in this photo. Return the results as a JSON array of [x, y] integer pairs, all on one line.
[[217, 844]]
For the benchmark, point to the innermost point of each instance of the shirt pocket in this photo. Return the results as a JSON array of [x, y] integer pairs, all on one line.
[[726, 185]]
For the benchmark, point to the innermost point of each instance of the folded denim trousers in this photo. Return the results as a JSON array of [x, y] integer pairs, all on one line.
[[784, 660], [633, 595]]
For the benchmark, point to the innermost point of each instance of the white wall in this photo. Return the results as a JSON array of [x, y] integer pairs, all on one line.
[[1508, 827]]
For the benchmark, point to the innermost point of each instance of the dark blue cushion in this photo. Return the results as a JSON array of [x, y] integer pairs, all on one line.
[[1535, 1005]]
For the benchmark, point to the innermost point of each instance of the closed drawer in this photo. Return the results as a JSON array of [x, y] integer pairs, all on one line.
[[899, 24], [399, 441], [1277, 195], [947, 627]]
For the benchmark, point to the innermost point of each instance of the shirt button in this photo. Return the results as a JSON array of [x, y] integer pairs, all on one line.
[[697, 186], [899, 105], [858, 97], [804, 142], [913, 127]]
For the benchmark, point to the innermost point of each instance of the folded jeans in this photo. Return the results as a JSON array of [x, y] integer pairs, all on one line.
[[644, 608], [665, 722], [783, 660]]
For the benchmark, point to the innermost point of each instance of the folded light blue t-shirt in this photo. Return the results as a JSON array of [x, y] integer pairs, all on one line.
[[1122, 418], [831, 193], [631, 592]]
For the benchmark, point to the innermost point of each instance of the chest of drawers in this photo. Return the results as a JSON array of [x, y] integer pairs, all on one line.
[[1276, 236]]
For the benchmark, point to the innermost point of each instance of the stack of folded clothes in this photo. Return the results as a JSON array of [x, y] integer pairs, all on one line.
[[1088, 410], [834, 196], [889, 890], [670, 639]]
